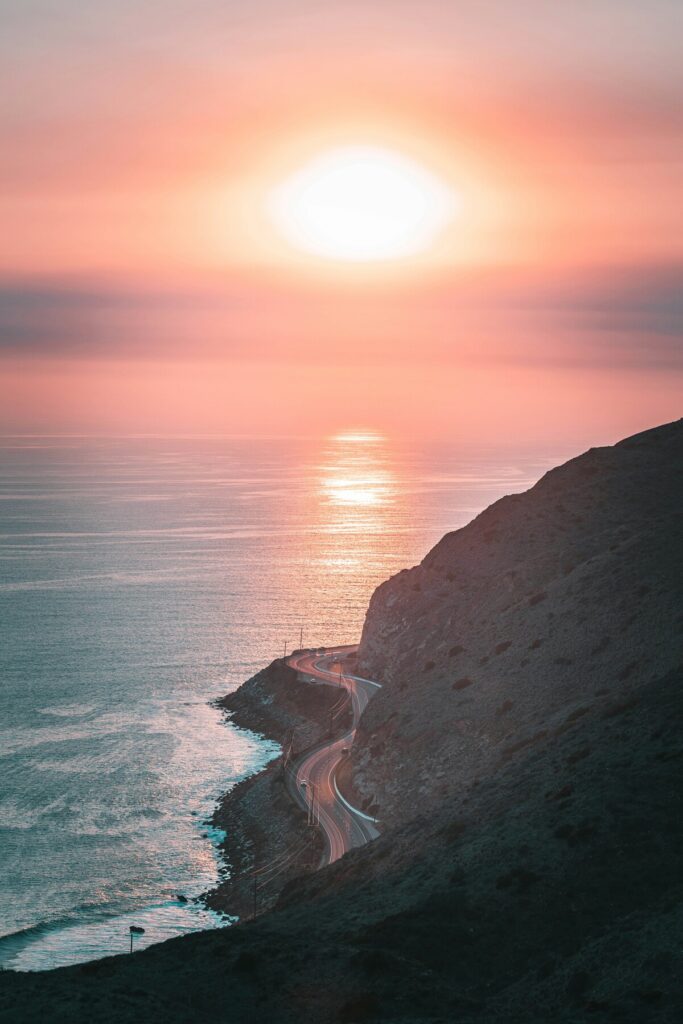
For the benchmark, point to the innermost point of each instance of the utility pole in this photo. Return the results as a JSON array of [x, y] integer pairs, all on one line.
[[284, 654], [301, 638]]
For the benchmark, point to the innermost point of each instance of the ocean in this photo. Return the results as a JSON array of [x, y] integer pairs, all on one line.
[[140, 578]]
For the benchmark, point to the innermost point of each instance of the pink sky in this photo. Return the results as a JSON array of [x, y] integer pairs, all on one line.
[[142, 289]]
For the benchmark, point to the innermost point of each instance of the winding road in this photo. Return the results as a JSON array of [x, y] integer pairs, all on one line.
[[311, 779]]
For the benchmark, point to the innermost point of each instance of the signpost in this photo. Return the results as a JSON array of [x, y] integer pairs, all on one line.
[[135, 930]]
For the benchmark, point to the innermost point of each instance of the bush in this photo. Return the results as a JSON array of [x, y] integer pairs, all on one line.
[[462, 684]]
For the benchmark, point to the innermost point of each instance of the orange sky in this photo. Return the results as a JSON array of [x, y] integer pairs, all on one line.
[[144, 289]]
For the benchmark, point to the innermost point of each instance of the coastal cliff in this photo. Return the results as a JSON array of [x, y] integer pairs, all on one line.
[[524, 756], [552, 605], [267, 839]]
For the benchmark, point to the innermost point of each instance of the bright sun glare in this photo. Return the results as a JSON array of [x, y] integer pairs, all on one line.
[[361, 203]]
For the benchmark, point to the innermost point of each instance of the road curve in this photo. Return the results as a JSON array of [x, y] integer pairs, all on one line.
[[311, 779]]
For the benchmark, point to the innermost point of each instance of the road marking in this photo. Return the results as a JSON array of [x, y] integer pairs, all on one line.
[[316, 761], [350, 807], [359, 679]]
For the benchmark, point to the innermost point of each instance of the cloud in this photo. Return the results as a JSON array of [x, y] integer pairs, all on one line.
[[64, 322], [633, 316], [36, 321], [625, 317]]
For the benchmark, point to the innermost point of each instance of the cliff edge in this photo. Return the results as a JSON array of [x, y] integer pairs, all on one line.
[[557, 603]]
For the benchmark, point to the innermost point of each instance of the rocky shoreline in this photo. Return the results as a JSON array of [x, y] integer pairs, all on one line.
[[267, 841]]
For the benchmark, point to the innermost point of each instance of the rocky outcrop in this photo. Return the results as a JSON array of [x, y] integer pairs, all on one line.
[[550, 605], [277, 704], [267, 839]]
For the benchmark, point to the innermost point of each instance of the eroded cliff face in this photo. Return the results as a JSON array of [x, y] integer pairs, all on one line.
[[547, 606]]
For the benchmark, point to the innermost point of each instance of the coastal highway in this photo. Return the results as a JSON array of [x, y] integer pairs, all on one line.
[[311, 778]]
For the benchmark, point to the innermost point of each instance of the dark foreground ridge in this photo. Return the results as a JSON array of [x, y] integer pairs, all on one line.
[[525, 757]]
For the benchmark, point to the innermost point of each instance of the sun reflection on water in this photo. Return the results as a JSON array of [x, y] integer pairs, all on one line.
[[356, 475]]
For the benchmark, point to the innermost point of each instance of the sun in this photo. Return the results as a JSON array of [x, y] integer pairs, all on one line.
[[361, 203]]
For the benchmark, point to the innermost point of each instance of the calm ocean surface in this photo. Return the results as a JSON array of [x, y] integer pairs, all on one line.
[[139, 579]]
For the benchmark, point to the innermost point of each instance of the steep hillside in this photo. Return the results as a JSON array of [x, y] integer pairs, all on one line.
[[525, 756], [548, 605], [552, 893]]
